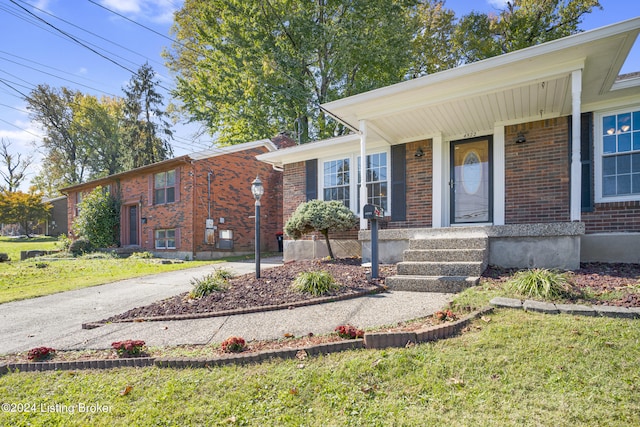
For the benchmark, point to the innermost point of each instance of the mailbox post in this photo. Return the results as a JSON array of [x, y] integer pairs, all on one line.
[[373, 213]]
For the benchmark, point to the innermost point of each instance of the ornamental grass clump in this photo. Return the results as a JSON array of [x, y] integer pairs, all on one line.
[[233, 345], [212, 282], [540, 283], [39, 354], [315, 283], [129, 348]]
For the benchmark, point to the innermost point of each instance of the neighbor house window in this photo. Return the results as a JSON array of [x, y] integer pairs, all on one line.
[[618, 144], [337, 181], [164, 187], [166, 239]]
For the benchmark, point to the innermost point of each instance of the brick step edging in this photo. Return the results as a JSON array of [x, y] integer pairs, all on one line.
[[574, 309], [372, 340]]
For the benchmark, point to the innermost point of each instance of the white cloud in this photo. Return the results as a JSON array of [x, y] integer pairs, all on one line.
[[158, 11]]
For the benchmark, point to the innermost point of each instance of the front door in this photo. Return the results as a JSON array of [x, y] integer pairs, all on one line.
[[471, 181], [133, 225]]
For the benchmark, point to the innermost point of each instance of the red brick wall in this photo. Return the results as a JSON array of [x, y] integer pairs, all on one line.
[[537, 172], [613, 217], [232, 200]]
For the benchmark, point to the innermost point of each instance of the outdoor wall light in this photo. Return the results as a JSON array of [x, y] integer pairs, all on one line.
[[521, 139], [257, 189], [419, 152]]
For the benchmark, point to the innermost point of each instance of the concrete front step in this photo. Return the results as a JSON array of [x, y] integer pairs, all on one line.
[[416, 268], [450, 243], [449, 284], [444, 255]]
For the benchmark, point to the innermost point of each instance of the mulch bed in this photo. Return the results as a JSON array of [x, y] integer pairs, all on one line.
[[620, 281], [273, 288]]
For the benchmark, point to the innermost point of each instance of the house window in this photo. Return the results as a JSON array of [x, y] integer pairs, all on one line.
[[338, 185], [164, 187], [336, 181], [376, 180], [619, 156], [166, 239]]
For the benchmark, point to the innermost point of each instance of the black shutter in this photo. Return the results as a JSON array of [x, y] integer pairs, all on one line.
[[586, 160], [398, 183], [312, 179]]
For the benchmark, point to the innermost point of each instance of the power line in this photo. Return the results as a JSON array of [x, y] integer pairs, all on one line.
[[73, 38]]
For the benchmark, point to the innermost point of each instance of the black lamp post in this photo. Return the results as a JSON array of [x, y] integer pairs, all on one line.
[[257, 190]]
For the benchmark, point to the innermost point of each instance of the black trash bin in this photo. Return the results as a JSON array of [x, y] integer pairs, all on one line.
[[280, 238]]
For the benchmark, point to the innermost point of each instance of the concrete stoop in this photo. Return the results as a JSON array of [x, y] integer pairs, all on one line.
[[442, 264]]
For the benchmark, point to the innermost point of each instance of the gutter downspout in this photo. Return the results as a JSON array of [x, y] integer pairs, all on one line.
[[363, 173], [576, 166]]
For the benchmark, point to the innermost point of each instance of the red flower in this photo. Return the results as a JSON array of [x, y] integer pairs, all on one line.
[[349, 332], [40, 353], [233, 345], [128, 348]]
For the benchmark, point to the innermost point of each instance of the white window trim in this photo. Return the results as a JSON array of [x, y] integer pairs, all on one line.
[[598, 154], [353, 178]]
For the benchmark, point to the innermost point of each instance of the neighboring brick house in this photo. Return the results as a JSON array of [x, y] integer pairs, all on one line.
[[196, 206], [537, 149]]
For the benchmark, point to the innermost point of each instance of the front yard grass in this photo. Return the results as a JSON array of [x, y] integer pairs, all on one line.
[[38, 277], [14, 245], [513, 368]]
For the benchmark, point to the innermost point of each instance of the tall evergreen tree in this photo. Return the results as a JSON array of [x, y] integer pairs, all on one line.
[[146, 131]]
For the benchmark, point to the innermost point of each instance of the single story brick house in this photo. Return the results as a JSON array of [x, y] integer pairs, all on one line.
[[196, 206], [536, 153]]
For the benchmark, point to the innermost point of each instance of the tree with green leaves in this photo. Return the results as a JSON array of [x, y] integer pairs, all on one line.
[[146, 132], [321, 216], [98, 219], [522, 23], [249, 69], [26, 209]]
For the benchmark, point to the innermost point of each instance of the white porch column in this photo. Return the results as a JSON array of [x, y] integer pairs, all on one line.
[[363, 173], [576, 167], [437, 198], [499, 176]]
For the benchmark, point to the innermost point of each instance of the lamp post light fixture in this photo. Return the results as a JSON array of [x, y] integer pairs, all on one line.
[[257, 189]]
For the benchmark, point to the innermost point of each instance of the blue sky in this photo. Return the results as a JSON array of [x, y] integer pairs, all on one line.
[[33, 52]]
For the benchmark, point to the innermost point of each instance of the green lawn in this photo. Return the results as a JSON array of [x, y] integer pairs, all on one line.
[[37, 277], [13, 246], [518, 368]]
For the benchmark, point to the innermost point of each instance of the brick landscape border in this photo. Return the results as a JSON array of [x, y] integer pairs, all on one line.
[[248, 310], [574, 309], [372, 340]]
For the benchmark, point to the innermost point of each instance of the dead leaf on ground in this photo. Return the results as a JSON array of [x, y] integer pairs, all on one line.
[[126, 390], [301, 355], [455, 381], [486, 319]]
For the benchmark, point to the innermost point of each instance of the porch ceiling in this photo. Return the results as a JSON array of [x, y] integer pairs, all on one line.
[[529, 84]]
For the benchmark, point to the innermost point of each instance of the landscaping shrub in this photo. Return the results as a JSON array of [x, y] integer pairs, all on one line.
[[129, 348], [99, 218], [212, 282], [80, 247], [64, 242], [315, 283], [39, 354], [349, 332], [233, 345], [540, 283]]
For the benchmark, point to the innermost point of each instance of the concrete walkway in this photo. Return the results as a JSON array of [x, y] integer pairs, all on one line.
[[55, 320]]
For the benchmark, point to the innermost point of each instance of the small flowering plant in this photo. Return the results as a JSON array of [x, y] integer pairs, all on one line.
[[349, 332], [445, 316], [39, 354], [233, 345], [128, 348]]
